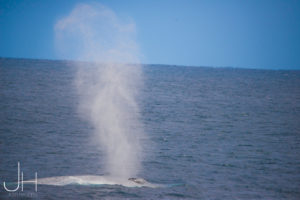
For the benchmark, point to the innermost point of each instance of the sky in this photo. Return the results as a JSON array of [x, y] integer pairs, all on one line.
[[218, 33]]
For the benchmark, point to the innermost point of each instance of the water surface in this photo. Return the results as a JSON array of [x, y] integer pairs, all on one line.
[[213, 133]]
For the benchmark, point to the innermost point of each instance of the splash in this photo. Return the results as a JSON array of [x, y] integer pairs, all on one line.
[[108, 83]]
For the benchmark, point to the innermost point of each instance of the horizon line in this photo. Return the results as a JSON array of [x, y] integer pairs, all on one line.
[[177, 65]]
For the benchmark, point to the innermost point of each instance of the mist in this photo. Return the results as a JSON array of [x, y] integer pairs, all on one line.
[[108, 83]]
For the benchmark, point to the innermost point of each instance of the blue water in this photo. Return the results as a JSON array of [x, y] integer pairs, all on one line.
[[212, 133]]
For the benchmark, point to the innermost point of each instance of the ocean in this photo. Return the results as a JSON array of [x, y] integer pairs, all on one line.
[[212, 133]]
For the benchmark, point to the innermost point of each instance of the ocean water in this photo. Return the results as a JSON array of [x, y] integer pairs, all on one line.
[[213, 133]]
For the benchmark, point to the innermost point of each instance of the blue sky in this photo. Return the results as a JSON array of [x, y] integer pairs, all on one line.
[[249, 33]]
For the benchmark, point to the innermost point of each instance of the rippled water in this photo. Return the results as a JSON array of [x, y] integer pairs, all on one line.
[[212, 133]]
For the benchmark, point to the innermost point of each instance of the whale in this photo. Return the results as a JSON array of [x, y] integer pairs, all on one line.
[[93, 180], [138, 180]]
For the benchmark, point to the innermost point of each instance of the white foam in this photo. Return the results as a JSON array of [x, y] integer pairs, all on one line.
[[90, 180]]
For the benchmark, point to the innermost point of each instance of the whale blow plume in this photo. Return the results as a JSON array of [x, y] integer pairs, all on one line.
[[107, 82]]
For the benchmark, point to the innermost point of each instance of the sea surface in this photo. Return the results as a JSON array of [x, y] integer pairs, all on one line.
[[213, 133]]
